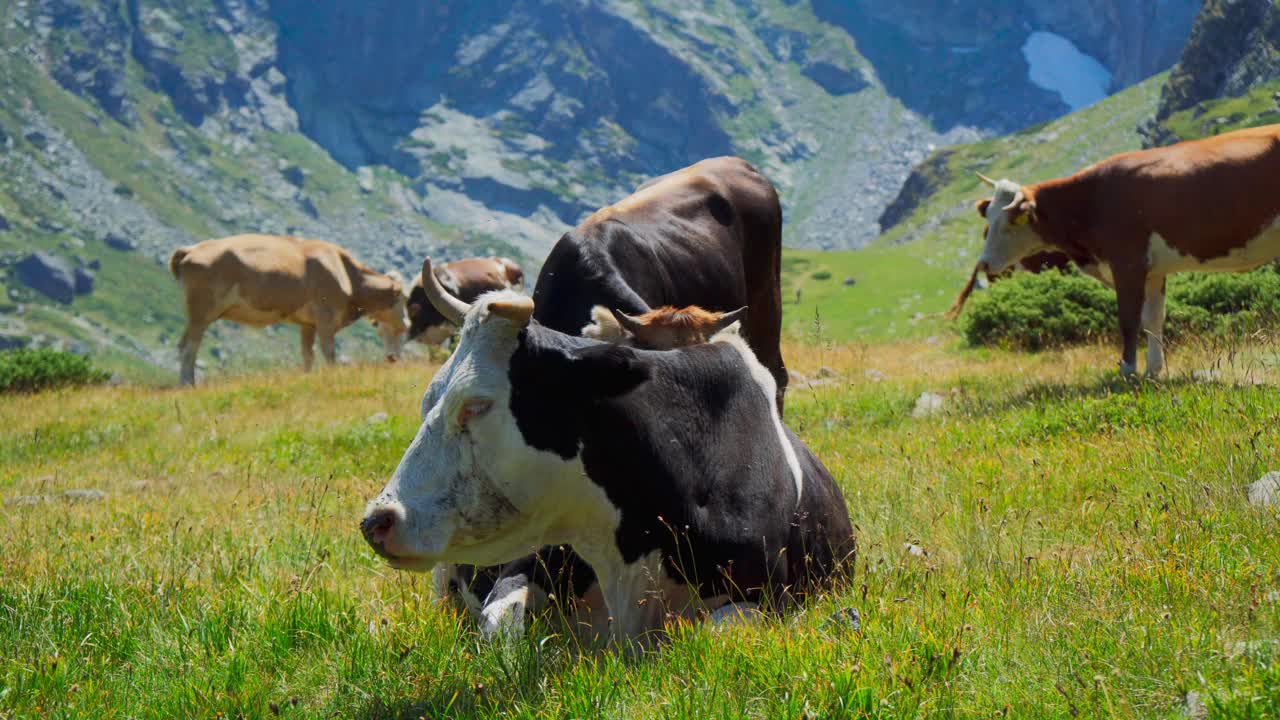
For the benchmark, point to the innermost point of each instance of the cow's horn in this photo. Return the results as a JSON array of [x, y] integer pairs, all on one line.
[[631, 324], [729, 318], [453, 309], [1018, 197], [518, 310], [986, 179]]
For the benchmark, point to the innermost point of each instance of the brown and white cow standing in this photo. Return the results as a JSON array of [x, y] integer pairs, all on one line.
[[261, 280], [466, 280], [1133, 219]]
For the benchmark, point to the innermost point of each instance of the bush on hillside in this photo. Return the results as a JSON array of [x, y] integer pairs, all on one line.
[[29, 370], [1033, 311], [1052, 309]]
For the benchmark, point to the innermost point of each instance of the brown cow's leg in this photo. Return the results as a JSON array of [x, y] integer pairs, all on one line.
[[308, 346], [188, 349], [1153, 324], [1129, 296], [327, 332]]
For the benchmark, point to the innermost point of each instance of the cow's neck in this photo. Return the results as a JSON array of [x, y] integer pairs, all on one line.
[[1063, 207]]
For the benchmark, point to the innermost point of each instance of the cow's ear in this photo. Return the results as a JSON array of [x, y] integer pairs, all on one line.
[[609, 370], [982, 207], [1024, 214]]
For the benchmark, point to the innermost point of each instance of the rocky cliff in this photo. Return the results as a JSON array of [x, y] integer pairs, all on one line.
[[1234, 48]]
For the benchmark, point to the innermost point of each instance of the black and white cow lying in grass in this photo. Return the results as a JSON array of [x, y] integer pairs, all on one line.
[[670, 472]]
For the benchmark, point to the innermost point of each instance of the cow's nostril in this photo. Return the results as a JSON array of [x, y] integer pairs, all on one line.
[[377, 525]]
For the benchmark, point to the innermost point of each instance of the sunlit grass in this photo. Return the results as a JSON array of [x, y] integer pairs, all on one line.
[[1089, 552]]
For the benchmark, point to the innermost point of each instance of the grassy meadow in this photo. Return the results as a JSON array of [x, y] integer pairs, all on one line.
[[1083, 548]]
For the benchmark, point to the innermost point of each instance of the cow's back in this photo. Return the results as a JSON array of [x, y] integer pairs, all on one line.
[[707, 235], [262, 279], [1204, 198]]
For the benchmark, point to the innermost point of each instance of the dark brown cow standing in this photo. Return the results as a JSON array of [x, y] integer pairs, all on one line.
[[708, 235], [1133, 219], [466, 280]]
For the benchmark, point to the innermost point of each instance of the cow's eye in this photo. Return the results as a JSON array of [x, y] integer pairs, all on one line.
[[472, 409]]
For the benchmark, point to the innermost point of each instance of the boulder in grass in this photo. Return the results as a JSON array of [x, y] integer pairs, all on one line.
[[49, 275], [1265, 491], [928, 404], [116, 241], [84, 281]]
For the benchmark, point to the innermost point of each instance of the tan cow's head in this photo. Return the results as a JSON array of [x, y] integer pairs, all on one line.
[[1011, 233], [385, 302], [662, 329]]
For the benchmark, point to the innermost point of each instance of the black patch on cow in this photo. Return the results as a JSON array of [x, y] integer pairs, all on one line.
[[556, 569], [553, 376], [684, 444], [422, 314]]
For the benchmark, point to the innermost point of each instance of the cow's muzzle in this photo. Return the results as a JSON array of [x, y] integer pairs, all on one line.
[[377, 527]]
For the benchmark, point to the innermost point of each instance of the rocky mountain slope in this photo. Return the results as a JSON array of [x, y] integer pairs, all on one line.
[[461, 126], [1233, 52]]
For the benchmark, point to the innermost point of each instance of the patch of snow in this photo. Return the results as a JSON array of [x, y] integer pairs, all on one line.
[[1056, 64]]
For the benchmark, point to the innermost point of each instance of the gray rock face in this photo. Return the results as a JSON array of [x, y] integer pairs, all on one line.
[[1234, 45], [559, 74], [49, 275], [94, 39], [84, 279]]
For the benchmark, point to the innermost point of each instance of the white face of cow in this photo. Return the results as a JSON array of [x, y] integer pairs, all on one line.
[[469, 489], [1011, 234]]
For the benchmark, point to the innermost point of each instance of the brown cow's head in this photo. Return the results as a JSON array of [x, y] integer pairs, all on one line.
[[1011, 232], [386, 305], [515, 276], [662, 329]]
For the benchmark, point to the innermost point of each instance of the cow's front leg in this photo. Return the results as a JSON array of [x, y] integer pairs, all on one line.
[[1129, 297], [1153, 324], [633, 596], [508, 604], [188, 351], [327, 330], [736, 614], [308, 337]]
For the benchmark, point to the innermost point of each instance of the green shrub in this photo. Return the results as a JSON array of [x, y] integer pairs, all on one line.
[[27, 370], [821, 275], [1033, 311], [1030, 312]]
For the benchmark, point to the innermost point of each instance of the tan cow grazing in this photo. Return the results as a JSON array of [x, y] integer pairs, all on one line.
[[260, 280], [1133, 219]]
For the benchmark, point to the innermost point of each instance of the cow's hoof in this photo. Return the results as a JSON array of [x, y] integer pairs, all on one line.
[[848, 618]]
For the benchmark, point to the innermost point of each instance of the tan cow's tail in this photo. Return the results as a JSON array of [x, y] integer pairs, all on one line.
[[175, 260]]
